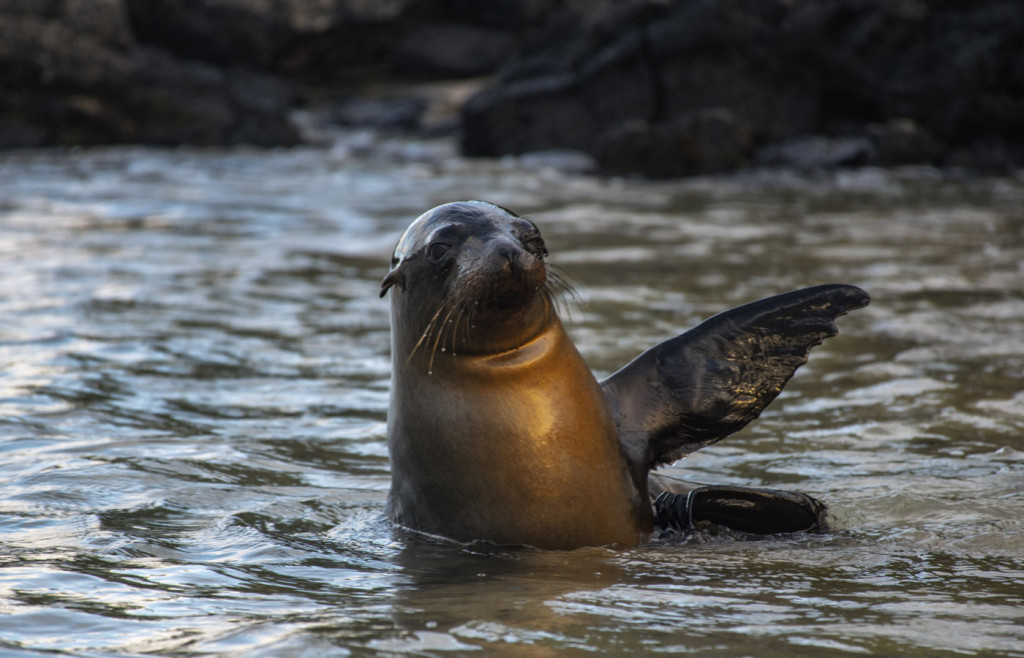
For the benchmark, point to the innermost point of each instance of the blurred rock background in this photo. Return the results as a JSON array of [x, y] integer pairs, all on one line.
[[656, 88]]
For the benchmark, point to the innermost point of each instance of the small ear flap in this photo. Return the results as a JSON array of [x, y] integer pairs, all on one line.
[[394, 277]]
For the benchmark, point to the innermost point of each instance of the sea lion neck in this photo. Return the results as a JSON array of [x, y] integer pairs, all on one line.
[[448, 335], [493, 331], [525, 357]]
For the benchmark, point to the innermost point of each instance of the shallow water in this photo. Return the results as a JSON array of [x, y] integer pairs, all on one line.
[[195, 377]]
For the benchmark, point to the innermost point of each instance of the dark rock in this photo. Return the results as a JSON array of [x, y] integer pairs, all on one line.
[[505, 15], [55, 78], [71, 73], [403, 113], [210, 71], [903, 142], [952, 67], [451, 50], [341, 42], [565, 95], [832, 69], [938, 81], [315, 41], [706, 141], [173, 102], [541, 114], [648, 62], [993, 157], [732, 55]]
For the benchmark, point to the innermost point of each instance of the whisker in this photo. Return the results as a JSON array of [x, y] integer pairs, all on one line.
[[455, 331], [452, 325], [464, 319], [439, 336], [563, 294], [426, 333], [456, 315]]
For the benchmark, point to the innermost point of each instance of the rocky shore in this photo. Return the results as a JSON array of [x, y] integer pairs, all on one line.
[[668, 89], [219, 72], [73, 72], [654, 88]]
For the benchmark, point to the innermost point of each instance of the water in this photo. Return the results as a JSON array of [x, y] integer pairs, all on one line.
[[194, 377]]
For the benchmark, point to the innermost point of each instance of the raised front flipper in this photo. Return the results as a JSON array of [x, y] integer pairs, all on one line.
[[709, 382]]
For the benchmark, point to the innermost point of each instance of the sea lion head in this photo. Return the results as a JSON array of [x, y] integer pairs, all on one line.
[[468, 277]]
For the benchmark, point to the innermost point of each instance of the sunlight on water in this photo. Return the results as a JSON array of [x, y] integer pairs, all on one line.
[[194, 389]]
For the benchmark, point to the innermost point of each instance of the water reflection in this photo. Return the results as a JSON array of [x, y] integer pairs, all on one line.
[[195, 380]]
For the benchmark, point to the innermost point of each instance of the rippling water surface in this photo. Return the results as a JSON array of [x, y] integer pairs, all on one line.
[[194, 378]]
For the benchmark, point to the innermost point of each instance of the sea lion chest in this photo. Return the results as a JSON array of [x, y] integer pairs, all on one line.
[[518, 448]]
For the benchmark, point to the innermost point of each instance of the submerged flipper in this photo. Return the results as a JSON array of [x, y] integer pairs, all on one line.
[[709, 382], [757, 511]]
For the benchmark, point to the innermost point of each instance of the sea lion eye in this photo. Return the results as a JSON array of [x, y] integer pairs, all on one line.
[[438, 250], [535, 245]]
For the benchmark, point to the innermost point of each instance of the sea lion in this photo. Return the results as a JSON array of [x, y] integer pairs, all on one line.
[[499, 432]]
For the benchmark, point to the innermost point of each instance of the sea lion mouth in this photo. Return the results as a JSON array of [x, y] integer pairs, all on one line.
[[492, 317], [511, 290], [511, 299]]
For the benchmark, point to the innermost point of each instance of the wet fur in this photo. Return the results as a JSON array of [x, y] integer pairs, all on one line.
[[454, 318], [515, 441]]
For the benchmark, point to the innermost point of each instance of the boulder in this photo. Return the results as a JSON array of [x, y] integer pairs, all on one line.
[[825, 83], [311, 41], [71, 73], [214, 72], [903, 142], [341, 42], [171, 101], [451, 50], [701, 142]]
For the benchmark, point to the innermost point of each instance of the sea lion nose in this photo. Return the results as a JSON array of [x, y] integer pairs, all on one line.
[[506, 252]]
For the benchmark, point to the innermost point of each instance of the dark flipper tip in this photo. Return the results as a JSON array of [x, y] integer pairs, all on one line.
[[755, 511]]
